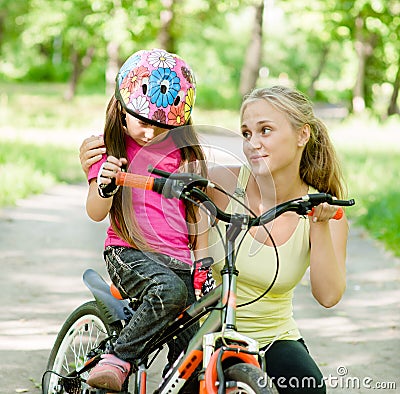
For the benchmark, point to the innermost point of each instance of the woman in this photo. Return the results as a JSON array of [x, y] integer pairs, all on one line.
[[289, 154]]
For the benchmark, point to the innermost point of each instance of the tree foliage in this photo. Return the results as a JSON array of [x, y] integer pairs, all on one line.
[[335, 50]]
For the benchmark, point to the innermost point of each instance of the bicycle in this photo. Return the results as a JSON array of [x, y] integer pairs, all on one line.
[[218, 358]]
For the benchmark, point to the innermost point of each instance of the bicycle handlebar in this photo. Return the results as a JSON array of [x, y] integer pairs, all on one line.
[[184, 186]]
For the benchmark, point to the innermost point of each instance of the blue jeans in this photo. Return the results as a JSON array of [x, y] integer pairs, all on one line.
[[162, 286]]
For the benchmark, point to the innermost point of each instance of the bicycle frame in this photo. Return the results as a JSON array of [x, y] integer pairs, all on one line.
[[220, 325], [218, 329]]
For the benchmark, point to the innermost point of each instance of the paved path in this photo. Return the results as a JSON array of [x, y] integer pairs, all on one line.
[[47, 241]]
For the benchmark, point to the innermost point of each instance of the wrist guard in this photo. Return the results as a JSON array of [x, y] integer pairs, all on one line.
[[202, 277], [106, 191]]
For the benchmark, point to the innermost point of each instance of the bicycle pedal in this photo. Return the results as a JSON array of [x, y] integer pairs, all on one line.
[[71, 385]]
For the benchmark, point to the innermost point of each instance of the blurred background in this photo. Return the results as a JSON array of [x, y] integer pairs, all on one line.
[[59, 58]]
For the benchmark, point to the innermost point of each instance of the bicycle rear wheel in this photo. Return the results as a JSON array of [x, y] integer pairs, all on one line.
[[83, 331], [246, 379]]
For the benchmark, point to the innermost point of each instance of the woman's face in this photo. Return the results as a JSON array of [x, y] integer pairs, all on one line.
[[271, 145], [143, 133]]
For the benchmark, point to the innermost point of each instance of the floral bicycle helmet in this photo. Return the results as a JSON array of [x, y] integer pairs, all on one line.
[[156, 87]]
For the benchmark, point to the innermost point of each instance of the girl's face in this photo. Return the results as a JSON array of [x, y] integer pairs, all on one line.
[[143, 133], [271, 145]]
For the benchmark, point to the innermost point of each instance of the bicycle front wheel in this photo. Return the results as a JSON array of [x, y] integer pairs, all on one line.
[[246, 379], [83, 331]]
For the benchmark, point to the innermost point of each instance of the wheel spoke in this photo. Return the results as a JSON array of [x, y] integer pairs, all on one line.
[[81, 333]]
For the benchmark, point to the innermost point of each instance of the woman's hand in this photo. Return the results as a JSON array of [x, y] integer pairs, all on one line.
[[323, 212], [91, 151]]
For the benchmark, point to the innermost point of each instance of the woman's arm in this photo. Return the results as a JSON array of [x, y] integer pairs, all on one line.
[[91, 151], [328, 240], [225, 177]]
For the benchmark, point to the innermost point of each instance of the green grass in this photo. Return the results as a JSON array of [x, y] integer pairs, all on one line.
[[373, 178], [42, 106], [40, 133], [28, 169]]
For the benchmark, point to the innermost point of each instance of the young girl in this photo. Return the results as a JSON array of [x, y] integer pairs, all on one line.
[[147, 250], [289, 154]]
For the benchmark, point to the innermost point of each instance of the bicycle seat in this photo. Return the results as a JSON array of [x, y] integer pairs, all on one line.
[[113, 309]]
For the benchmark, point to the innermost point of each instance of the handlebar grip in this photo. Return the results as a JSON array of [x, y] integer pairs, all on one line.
[[338, 215], [134, 180]]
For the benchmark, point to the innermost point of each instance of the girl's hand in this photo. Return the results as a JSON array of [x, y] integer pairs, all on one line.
[[106, 176], [110, 168], [323, 212], [91, 151]]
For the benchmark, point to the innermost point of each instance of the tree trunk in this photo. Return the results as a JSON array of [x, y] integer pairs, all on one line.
[[113, 46], [318, 71], [165, 36], [112, 66], [79, 64], [358, 90], [393, 107], [252, 63], [73, 81], [2, 28], [365, 44]]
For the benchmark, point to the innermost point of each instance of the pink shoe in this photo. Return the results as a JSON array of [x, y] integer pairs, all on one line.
[[110, 373]]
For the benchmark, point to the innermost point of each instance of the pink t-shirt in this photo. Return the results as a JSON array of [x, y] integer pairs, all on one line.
[[161, 220]]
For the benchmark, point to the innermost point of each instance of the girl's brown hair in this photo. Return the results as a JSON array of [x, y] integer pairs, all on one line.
[[122, 218], [319, 166]]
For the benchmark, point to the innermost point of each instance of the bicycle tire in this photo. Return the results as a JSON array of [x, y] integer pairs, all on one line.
[[82, 331], [245, 378]]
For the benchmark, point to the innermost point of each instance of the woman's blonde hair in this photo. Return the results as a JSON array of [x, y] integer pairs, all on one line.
[[319, 166], [122, 218]]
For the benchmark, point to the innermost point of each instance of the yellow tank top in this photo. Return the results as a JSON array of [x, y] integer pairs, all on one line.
[[271, 317]]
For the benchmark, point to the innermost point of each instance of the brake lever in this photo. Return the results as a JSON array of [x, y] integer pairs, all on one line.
[[304, 207], [156, 171], [190, 180], [173, 188]]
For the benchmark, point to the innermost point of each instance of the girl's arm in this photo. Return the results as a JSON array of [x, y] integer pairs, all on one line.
[[98, 207], [201, 249], [328, 240], [200, 228]]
